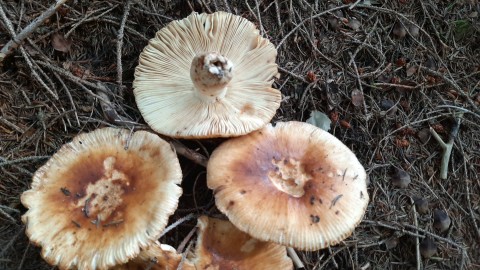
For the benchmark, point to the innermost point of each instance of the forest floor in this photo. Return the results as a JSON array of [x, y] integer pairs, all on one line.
[[384, 72]]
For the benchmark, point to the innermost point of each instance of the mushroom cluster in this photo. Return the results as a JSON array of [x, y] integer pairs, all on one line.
[[103, 200]]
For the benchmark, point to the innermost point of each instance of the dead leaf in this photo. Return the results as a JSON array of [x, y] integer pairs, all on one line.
[[411, 70], [319, 119], [60, 43], [424, 135], [354, 24], [399, 30], [431, 64], [345, 124], [413, 30], [391, 242], [357, 98]]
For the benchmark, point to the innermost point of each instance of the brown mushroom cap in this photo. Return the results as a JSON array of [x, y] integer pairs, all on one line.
[[97, 202], [156, 257], [293, 184], [221, 245], [208, 75]]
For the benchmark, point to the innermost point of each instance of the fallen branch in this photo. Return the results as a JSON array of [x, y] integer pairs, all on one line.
[[17, 40], [447, 147]]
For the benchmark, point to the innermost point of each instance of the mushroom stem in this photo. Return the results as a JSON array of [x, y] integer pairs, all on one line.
[[210, 73]]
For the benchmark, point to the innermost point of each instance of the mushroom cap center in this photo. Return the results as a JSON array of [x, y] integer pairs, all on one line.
[[105, 195], [289, 176]]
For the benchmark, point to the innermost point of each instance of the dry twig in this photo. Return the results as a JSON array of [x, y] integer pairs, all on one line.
[[447, 147], [17, 40], [119, 48]]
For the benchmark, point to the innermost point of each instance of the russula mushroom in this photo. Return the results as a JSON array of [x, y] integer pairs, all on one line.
[[293, 184], [208, 75], [156, 257], [220, 245], [101, 198]]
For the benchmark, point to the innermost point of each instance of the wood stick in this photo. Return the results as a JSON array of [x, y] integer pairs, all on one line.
[[17, 40], [447, 147]]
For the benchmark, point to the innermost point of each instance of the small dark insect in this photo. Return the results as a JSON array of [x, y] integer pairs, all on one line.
[[65, 191], [312, 200], [315, 219]]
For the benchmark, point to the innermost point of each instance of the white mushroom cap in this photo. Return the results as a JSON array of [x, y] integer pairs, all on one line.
[[208, 75], [220, 245], [293, 184], [97, 202]]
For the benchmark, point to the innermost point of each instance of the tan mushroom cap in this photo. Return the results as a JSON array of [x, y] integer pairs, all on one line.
[[208, 75], [156, 257], [293, 184], [101, 198], [221, 245]]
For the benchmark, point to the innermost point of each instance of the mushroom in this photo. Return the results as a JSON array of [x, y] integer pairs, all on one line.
[[221, 245], [293, 184], [208, 75], [156, 257], [102, 198]]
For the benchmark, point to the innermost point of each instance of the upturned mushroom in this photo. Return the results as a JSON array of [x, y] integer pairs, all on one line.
[[208, 75], [293, 184], [220, 245], [102, 198]]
